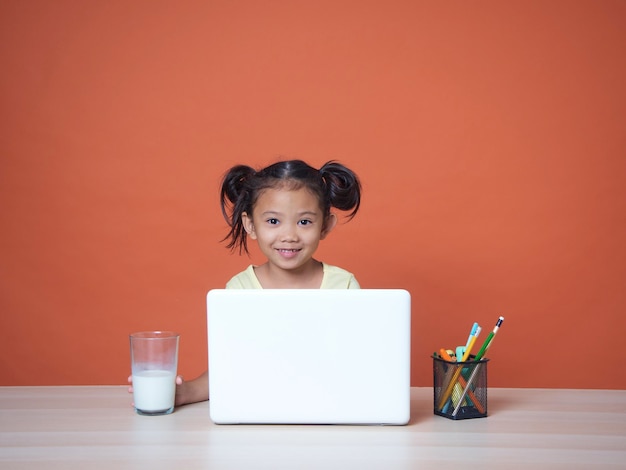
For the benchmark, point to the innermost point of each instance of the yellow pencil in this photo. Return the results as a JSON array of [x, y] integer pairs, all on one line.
[[448, 392], [468, 350]]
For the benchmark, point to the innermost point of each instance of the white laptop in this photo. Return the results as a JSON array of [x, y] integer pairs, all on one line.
[[309, 356]]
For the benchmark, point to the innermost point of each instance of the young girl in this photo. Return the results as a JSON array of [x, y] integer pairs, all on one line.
[[286, 208]]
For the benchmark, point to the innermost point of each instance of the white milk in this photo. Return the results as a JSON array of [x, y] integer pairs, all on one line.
[[154, 390]]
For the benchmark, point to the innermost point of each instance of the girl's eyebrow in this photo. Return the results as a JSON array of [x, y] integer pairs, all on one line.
[[307, 213], [271, 213]]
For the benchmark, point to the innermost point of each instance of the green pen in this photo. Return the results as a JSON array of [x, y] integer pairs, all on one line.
[[478, 357], [487, 343]]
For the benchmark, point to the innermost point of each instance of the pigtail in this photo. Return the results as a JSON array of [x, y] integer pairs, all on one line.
[[343, 188], [234, 201]]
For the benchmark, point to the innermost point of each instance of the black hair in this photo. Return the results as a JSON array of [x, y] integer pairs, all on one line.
[[334, 185]]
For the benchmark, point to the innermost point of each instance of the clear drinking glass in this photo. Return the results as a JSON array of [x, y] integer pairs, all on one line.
[[154, 360]]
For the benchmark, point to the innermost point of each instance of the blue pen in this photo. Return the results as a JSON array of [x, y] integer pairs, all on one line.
[[460, 350], [472, 333]]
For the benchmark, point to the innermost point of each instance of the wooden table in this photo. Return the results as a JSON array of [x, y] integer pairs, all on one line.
[[96, 427]]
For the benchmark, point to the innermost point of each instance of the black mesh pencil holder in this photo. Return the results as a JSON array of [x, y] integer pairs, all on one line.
[[460, 388]]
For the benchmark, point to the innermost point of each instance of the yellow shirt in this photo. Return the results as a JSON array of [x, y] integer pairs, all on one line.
[[334, 278]]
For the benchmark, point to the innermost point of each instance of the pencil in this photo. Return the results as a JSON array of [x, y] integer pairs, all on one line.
[[457, 372]]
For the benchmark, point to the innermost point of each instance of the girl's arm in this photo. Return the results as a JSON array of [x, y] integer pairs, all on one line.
[[192, 391]]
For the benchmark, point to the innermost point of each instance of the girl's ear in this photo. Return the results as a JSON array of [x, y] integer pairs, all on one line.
[[329, 224], [248, 225]]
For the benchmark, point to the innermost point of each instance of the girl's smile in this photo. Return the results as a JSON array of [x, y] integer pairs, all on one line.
[[290, 253]]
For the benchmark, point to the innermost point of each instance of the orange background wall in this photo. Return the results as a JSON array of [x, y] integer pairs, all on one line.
[[489, 137]]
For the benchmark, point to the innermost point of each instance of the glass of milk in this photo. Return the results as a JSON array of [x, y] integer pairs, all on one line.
[[154, 358]]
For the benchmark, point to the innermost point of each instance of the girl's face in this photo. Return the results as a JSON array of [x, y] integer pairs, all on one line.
[[288, 225]]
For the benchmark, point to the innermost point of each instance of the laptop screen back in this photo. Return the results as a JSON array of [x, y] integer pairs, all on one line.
[[309, 356]]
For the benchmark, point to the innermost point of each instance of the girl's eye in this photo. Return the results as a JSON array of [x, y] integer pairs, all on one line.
[[272, 221], [305, 222]]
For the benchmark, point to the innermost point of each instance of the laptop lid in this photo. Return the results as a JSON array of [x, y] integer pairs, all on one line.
[[309, 356]]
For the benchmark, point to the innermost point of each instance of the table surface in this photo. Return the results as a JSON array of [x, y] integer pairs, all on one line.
[[96, 427]]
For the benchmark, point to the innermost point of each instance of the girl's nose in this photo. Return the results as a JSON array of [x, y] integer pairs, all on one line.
[[289, 233]]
